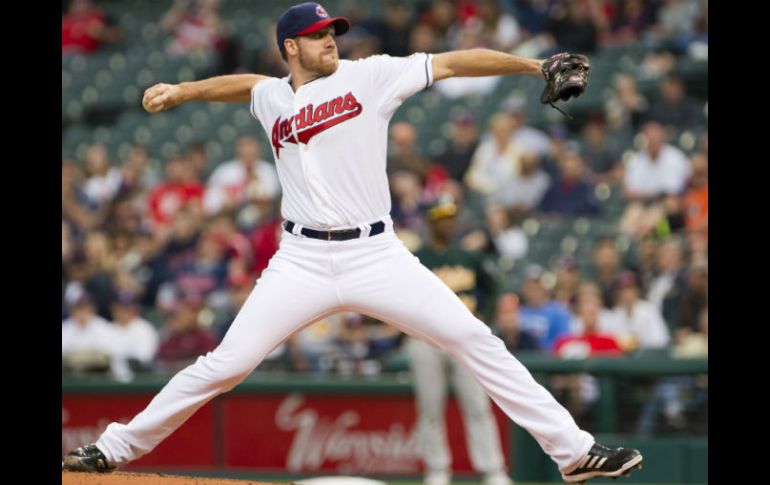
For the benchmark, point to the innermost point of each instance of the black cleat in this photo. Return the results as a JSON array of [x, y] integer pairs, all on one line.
[[604, 462], [86, 459]]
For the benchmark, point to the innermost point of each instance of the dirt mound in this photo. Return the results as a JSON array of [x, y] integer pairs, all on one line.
[[122, 478]]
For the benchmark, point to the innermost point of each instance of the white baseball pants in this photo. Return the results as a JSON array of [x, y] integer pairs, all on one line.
[[308, 279]]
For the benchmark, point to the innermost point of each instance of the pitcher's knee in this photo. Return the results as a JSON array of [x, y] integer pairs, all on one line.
[[463, 336], [224, 370]]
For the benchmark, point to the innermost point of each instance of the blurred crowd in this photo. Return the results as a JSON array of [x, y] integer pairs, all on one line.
[[158, 255]]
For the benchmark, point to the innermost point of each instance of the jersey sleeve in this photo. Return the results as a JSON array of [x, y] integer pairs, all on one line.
[[259, 95], [396, 78]]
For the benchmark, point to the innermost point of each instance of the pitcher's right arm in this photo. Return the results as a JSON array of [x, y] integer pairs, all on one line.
[[232, 88]]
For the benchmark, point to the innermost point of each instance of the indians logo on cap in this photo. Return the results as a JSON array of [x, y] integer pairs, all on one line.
[[319, 10]]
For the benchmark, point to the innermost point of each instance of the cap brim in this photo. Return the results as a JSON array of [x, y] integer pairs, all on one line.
[[341, 25]]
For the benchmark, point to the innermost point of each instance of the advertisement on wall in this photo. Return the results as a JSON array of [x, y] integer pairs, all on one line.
[[296, 433]]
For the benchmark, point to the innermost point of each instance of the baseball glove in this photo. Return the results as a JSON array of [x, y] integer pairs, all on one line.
[[566, 75]]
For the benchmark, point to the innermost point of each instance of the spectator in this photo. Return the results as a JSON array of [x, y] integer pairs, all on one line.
[[196, 154], [135, 339], [463, 142], [674, 109], [404, 153], [507, 326], [525, 190], [605, 260], [177, 250], [194, 29], [635, 17], [87, 340], [693, 300], [268, 60], [627, 107], [568, 280], [677, 21], [423, 38], [571, 28], [84, 276], [675, 396], [393, 33], [85, 28], [581, 391], [102, 181], [572, 194], [99, 252], [497, 157], [499, 169], [540, 315], [469, 36], [179, 191], [499, 27], [77, 208], [441, 15], [593, 318], [665, 289], [185, 340], [138, 173], [407, 201], [694, 344], [205, 275], [637, 322], [526, 137], [313, 348], [659, 169], [264, 241], [696, 198], [508, 238], [247, 177], [601, 155]]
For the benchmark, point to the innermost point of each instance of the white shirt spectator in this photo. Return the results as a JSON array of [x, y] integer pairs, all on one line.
[[644, 325], [605, 324], [489, 166], [229, 183], [659, 288], [507, 32], [668, 174], [138, 340], [532, 140], [96, 334], [522, 190], [102, 188], [457, 87], [512, 242]]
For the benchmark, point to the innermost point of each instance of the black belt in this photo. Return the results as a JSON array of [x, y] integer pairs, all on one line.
[[339, 235]]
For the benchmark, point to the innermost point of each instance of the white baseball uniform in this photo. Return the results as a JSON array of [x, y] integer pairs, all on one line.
[[329, 140]]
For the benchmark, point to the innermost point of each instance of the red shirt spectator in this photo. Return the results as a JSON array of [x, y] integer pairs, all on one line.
[[589, 341], [180, 189], [264, 242], [84, 28], [185, 340]]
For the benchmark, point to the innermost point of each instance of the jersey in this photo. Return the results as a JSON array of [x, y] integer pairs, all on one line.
[[462, 271], [329, 138]]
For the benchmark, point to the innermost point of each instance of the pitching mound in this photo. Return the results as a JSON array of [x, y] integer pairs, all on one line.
[[121, 478]]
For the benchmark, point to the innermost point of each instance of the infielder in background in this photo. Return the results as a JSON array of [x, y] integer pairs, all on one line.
[[328, 126], [462, 272]]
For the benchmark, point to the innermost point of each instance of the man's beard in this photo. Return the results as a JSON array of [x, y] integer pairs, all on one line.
[[316, 65]]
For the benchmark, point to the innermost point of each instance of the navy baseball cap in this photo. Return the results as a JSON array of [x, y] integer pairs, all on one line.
[[306, 18]]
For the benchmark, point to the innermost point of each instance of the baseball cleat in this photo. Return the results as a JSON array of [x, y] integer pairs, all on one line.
[[87, 459], [601, 461]]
